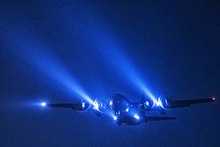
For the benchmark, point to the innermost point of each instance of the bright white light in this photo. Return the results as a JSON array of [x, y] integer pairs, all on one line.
[[85, 96], [146, 103], [127, 110], [158, 103], [150, 95], [213, 98], [83, 105], [136, 116], [110, 103], [96, 105], [43, 104], [115, 118]]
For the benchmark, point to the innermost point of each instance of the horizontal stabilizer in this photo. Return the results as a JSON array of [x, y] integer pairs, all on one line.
[[155, 118]]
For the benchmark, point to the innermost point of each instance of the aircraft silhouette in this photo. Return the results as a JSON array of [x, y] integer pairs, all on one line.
[[122, 110]]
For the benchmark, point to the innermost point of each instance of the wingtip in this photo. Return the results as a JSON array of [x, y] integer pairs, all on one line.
[[43, 104], [213, 99]]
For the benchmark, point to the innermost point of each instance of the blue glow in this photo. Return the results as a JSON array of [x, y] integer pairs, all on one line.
[[150, 95], [115, 118], [37, 54], [127, 109], [106, 42], [146, 103], [43, 104], [160, 103], [96, 105], [136, 116], [83, 105], [110, 103]]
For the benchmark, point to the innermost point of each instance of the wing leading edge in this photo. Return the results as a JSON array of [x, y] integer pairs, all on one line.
[[75, 106]]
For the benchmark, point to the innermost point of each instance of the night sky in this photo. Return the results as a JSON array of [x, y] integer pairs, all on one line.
[[60, 51]]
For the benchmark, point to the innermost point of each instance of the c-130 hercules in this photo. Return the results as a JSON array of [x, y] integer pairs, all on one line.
[[122, 110]]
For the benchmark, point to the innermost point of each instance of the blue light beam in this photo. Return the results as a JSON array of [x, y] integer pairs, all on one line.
[[37, 54], [100, 37]]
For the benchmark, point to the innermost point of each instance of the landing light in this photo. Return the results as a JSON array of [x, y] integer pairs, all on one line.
[[83, 105], [127, 109], [110, 103], [115, 118], [43, 104], [146, 103], [96, 105], [136, 116], [213, 98], [158, 103]]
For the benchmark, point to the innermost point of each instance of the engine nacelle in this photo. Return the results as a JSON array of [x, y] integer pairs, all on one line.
[[98, 107], [146, 104], [83, 107]]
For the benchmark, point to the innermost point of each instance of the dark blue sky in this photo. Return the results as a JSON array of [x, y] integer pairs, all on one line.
[[59, 50]]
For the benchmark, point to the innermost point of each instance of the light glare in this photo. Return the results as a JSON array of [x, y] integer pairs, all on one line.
[[83, 105], [96, 105], [37, 54], [136, 116], [43, 104], [110, 103], [114, 117]]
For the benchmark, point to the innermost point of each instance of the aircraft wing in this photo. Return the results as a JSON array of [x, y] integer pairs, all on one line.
[[75, 106], [157, 118], [169, 103]]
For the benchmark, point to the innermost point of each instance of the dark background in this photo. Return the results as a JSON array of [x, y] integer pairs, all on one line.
[[172, 46]]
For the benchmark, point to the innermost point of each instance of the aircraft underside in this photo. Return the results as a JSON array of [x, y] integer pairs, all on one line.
[[121, 110]]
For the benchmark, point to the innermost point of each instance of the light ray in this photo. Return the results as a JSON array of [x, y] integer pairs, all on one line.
[[37, 55]]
